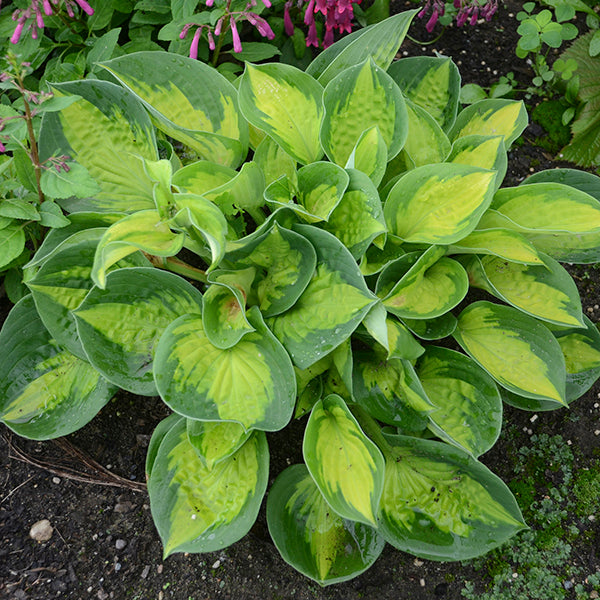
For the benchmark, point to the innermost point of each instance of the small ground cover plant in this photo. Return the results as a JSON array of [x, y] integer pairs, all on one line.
[[305, 245]]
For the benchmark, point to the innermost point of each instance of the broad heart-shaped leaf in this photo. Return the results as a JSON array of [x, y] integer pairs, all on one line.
[[188, 100], [557, 219], [376, 259], [143, 230], [432, 329], [62, 282], [581, 180], [379, 42], [545, 291], [330, 308], [286, 262], [518, 351], [158, 435], [214, 441], [251, 383], [358, 218], [202, 176], [357, 99], [45, 391], [274, 161], [439, 204], [426, 143], [12, 242], [440, 503], [224, 308], [311, 537], [201, 509], [491, 117], [429, 289], [106, 131], [468, 405], [485, 151], [285, 103], [344, 463], [432, 83], [390, 391], [119, 327], [503, 243]]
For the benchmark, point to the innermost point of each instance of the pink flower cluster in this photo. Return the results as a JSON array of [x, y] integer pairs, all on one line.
[[33, 15], [232, 18], [338, 16], [468, 11]]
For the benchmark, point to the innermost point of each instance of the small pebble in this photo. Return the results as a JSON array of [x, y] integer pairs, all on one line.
[[117, 566], [533, 419], [56, 480], [568, 585], [146, 571], [159, 569], [597, 432], [592, 518], [216, 564], [120, 544], [41, 531], [417, 562], [422, 582]]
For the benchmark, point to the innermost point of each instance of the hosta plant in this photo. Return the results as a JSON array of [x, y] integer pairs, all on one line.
[[303, 246]]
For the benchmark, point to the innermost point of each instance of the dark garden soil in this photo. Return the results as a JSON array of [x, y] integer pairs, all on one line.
[[104, 544]]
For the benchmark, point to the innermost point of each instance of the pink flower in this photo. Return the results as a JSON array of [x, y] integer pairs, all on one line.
[[16, 36], [47, 7], [287, 20], [261, 25], [85, 7], [237, 43], [211, 40], [2, 147], [312, 39], [195, 41]]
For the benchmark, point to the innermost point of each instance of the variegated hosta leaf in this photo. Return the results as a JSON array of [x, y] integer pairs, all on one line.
[[581, 180], [188, 100], [143, 230], [376, 259], [161, 173], [286, 103], [330, 308], [158, 435], [313, 538], [358, 218], [120, 326], [559, 220], [45, 391], [439, 204], [503, 243], [251, 383], [369, 155], [492, 117], [224, 314], [432, 329], [440, 503], [380, 42], [80, 222], [544, 291], [215, 441], [426, 143], [197, 508], [107, 126], [518, 351], [203, 223], [274, 161], [390, 391], [485, 151], [357, 99], [343, 361], [202, 176], [321, 186], [285, 260], [468, 405], [344, 463], [430, 82], [63, 281]]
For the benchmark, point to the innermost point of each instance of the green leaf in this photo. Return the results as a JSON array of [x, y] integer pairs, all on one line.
[[120, 326], [143, 230], [441, 504], [432, 329], [12, 243], [468, 411], [51, 215], [369, 155], [358, 218], [257, 51], [491, 117], [201, 509], [215, 441], [339, 291], [379, 42], [439, 204], [274, 161], [19, 208], [311, 537], [107, 126], [355, 100], [344, 463], [285, 261], [485, 151], [45, 392], [188, 100], [202, 176], [64, 184], [519, 352], [432, 83], [377, 258], [251, 383], [286, 103], [545, 291]]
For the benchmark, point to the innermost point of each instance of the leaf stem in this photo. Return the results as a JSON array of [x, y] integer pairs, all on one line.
[[170, 263]]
